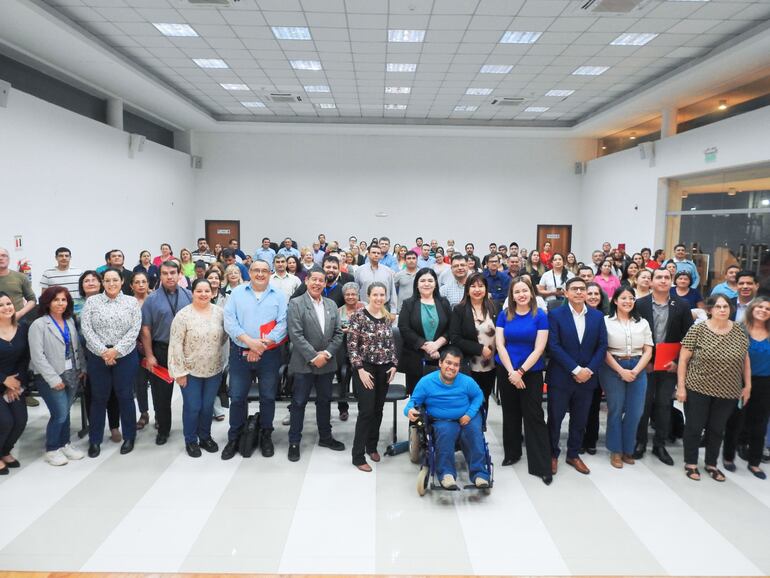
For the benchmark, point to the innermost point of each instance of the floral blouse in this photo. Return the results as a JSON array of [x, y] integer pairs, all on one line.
[[370, 340], [195, 346], [111, 322]]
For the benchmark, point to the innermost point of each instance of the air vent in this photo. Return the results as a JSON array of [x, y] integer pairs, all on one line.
[[283, 97], [612, 6], [509, 101]]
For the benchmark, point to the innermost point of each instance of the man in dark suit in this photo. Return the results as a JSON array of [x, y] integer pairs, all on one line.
[[577, 342], [669, 318], [316, 335]]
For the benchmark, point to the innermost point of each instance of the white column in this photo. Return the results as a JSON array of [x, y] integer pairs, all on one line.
[[115, 113], [668, 122]]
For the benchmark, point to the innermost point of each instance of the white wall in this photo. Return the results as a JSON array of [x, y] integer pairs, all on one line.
[[623, 199], [68, 180], [468, 189]]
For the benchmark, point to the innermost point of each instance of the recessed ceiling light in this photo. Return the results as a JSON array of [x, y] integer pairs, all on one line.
[[169, 29], [731, 192], [253, 104], [291, 33], [516, 37], [305, 64], [633, 39], [395, 107], [722, 105], [406, 35], [466, 108], [398, 89], [558, 92], [210, 62], [604, 148], [591, 70], [326, 105], [536, 108], [496, 68], [233, 86], [765, 202], [633, 136], [317, 88], [479, 91], [400, 67]]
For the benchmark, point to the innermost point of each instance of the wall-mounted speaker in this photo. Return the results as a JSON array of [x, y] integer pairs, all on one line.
[[196, 162], [5, 90]]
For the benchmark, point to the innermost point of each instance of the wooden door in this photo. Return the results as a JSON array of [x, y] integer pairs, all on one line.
[[560, 237], [222, 231]]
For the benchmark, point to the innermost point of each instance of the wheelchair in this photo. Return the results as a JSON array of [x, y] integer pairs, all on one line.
[[422, 450]]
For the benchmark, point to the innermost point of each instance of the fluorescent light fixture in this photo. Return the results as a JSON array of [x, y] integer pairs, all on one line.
[[253, 104], [400, 67], [479, 91], [591, 70], [398, 89], [406, 35], [466, 108], [305, 64], [558, 92], [496, 68], [516, 37], [536, 108], [326, 105], [210, 63], [291, 32], [317, 88], [765, 202], [170, 29], [233, 86], [633, 39], [395, 107], [722, 105], [731, 192]]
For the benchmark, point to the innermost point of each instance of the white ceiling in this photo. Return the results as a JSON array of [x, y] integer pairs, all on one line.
[[349, 38]]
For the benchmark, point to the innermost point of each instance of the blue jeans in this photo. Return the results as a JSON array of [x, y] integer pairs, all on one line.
[[303, 384], [59, 402], [471, 441], [104, 379], [242, 374], [625, 405], [198, 406]]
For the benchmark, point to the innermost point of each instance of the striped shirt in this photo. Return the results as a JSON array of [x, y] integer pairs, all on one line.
[[68, 279]]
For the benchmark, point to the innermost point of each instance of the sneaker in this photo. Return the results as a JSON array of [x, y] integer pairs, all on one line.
[[448, 482], [72, 453], [56, 458], [332, 444], [481, 482], [293, 452], [286, 420], [193, 450]]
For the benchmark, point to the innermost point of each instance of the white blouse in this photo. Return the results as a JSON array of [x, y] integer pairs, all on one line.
[[627, 338]]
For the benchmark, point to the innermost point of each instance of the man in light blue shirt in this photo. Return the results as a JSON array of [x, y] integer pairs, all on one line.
[[425, 259], [288, 249], [684, 264], [387, 258], [728, 287], [265, 253], [255, 320]]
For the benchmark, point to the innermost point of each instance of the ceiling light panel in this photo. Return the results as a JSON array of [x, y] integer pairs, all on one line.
[[590, 70], [253, 104], [210, 63], [406, 35], [478, 91], [496, 68], [326, 105], [306, 64], [291, 32], [633, 39], [517, 37], [227, 86], [466, 108], [559, 92], [169, 29], [400, 67], [395, 107], [398, 89], [317, 88], [536, 108]]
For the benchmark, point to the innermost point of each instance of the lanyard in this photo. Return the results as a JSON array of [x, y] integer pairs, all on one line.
[[65, 335], [176, 301]]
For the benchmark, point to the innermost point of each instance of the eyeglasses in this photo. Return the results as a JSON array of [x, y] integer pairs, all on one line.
[[578, 289]]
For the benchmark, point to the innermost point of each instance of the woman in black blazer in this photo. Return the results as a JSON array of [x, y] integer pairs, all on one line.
[[424, 326], [472, 329]]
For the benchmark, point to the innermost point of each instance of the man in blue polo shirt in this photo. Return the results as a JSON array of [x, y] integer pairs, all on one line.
[[255, 320], [453, 400], [265, 252], [497, 280]]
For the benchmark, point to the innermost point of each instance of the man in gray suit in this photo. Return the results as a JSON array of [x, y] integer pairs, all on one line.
[[316, 335]]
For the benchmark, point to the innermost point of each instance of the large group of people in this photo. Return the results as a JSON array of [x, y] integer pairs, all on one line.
[[635, 330]]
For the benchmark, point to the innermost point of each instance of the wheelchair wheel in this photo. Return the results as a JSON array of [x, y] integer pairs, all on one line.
[[415, 451], [423, 479]]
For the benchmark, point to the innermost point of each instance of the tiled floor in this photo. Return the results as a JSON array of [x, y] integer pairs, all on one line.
[[157, 510]]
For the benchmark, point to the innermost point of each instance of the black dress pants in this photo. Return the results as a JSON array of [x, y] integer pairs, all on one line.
[[660, 391], [161, 390], [709, 412], [371, 403], [591, 435]]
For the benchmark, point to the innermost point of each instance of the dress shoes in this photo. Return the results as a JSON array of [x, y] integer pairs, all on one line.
[[230, 448], [547, 479], [554, 465], [293, 452], [16, 464], [729, 466], [639, 451], [510, 461], [332, 444], [94, 450], [616, 460], [4, 471], [127, 447], [579, 465], [364, 467], [375, 456], [591, 451], [344, 416], [209, 445], [661, 453], [193, 450], [266, 443], [161, 439], [628, 459]]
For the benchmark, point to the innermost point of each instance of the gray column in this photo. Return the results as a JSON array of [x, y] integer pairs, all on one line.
[[668, 122], [115, 113]]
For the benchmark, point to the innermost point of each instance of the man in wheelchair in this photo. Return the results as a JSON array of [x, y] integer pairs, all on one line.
[[452, 401]]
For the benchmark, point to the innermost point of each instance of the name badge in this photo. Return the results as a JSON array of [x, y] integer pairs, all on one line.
[[67, 364]]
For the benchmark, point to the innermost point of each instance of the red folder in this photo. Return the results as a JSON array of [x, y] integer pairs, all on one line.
[[159, 371], [666, 353], [264, 331]]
